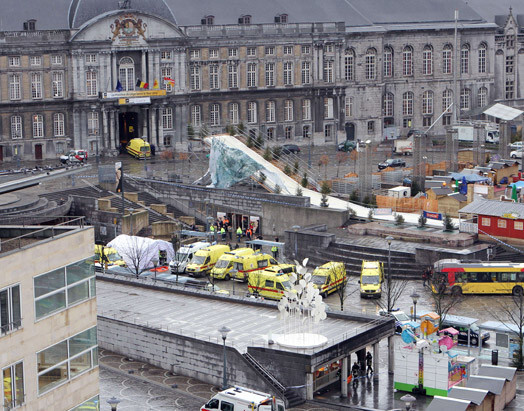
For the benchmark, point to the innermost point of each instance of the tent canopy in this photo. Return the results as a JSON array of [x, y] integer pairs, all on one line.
[[470, 178], [519, 184], [503, 112]]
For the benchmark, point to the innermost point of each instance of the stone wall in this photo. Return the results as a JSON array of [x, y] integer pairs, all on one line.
[[107, 224]]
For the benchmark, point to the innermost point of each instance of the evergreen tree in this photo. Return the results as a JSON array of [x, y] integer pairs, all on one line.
[[304, 183], [324, 190], [299, 191], [267, 154]]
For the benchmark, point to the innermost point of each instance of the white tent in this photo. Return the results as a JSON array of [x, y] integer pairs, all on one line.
[[138, 252]]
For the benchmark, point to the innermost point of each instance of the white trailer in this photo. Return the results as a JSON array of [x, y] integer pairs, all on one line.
[[466, 133], [243, 399], [404, 147]]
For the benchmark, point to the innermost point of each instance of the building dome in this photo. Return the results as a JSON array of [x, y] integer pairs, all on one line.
[[81, 11]]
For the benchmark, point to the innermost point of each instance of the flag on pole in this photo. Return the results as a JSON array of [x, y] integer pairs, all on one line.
[[169, 80], [141, 84], [155, 85], [119, 86]]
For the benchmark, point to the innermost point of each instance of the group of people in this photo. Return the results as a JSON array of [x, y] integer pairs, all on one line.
[[356, 371], [223, 227]]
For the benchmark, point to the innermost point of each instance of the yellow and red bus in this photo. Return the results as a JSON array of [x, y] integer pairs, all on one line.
[[479, 277]]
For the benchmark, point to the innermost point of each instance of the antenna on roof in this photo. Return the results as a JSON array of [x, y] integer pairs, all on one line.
[[124, 4]]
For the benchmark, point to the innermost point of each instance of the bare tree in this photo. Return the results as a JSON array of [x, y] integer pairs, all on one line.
[[341, 157], [513, 315], [342, 291], [136, 254], [443, 302], [392, 289], [323, 161]]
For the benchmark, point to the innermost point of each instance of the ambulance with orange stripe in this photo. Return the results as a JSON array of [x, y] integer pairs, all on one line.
[[247, 264], [329, 277], [225, 264], [271, 282], [205, 259]]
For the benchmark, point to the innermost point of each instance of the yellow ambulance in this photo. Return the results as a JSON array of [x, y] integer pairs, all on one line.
[[371, 278], [139, 148], [113, 258], [224, 265], [246, 264], [268, 284], [329, 277], [205, 259]]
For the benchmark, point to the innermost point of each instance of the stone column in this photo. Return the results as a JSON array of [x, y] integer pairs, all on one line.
[[117, 131], [105, 128], [143, 73], [114, 76], [375, 361], [154, 134], [391, 354], [145, 121], [83, 130], [112, 137], [82, 73], [344, 378], [309, 386], [76, 129], [361, 358]]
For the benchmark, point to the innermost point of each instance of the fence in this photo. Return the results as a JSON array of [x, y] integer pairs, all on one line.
[[407, 205]]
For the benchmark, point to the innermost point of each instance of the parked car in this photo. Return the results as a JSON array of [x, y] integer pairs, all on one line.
[[463, 333], [347, 146], [392, 162], [516, 153], [290, 148], [517, 145], [74, 156], [401, 318]]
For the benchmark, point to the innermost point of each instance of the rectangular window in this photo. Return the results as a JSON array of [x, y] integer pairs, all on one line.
[[509, 89], [427, 121], [232, 52], [306, 72], [36, 85], [232, 75], [388, 63], [90, 58], [35, 60], [370, 66], [92, 122], [501, 223], [58, 84], [348, 107], [270, 74], [213, 53], [446, 120], [305, 49], [306, 109], [58, 125], [328, 107], [270, 111], [10, 309], [196, 115], [214, 77], [14, 87], [252, 112], [194, 54], [251, 51], [13, 385], [288, 50], [16, 127], [518, 225], [509, 64], [328, 132], [349, 68], [288, 132], [447, 67], [270, 51], [194, 77], [91, 83], [234, 113], [166, 55], [482, 60], [167, 72], [486, 222], [214, 112], [251, 74], [288, 110], [66, 360], [14, 61], [38, 126], [328, 48], [63, 287], [464, 60], [328, 71], [288, 73], [371, 127], [167, 118], [306, 132]]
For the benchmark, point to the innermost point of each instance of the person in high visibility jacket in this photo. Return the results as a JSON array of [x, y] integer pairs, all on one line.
[[239, 234], [223, 233]]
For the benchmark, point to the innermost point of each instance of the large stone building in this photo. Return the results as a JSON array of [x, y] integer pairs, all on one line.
[[290, 70]]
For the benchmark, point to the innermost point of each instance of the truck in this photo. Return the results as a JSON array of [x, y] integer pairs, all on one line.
[[466, 134], [243, 399], [184, 255], [404, 146]]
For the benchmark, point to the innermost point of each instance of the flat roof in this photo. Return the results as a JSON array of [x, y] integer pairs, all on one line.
[[201, 317], [488, 370], [492, 384], [449, 404]]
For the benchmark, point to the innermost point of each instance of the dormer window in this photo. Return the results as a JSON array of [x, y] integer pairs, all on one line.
[[281, 18], [245, 19], [30, 25], [208, 21]]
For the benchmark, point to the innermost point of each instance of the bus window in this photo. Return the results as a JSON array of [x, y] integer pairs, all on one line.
[[521, 277]]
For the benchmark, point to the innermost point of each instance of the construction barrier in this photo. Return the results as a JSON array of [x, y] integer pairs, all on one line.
[[407, 205]]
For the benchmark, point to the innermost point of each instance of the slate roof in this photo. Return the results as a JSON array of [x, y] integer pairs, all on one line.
[[475, 395], [459, 197], [354, 13], [492, 384], [442, 191], [507, 373], [493, 208], [448, 404]]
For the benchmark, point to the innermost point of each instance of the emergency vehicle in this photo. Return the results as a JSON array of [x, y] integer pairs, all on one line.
[[243, 399]]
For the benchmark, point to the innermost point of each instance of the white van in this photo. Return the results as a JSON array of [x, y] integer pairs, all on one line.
[[184, 255], [243, 399]]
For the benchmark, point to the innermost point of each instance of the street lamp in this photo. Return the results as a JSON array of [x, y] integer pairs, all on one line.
[[389, 239], [414, 296], [408, 400], [113, 403], [131, 210], [223, 331], [295, 229]]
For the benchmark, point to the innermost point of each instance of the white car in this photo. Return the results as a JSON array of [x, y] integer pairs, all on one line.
[[401, 318], [516, 153], [517, 145]]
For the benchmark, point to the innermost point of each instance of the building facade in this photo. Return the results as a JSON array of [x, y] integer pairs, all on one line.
[[48, 338], [81, 82]]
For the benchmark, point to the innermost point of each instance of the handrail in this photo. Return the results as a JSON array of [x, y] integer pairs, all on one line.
[[271, 379]]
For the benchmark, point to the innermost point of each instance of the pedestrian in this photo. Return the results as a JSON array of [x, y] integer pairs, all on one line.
[[369, 363], [274, 249], [424, 277], [355, 370], [223, 233], [229, 230], [212, 230], [239, 234], [249, 233]]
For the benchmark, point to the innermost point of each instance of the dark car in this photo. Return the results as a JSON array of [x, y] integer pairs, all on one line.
[[392, 162], [347, 146], [290, 148]]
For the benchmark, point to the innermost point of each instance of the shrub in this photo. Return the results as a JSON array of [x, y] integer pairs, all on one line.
[[277, 152], [287, 170], [399, 220], [190, 131], [299, 191], [422, 221], [262, 178], [295, 167], [370, 214], [267, 154], [354, 196], [448, 223], [324, 201], [240, 128], [260, 140], [304, 182], [325, 189], [278, 189], [249, 142]]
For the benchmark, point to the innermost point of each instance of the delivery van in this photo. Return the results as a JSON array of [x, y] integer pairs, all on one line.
[[184, 255], [205, 259], [240, 398], [329, 277], [113, 258], [222, 268], [371, 278], [271, 282], [245, 264], [139, 148]]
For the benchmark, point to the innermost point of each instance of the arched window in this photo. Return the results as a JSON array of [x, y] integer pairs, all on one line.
[[349, 65], [427, 103], [464, 59], [388, 61], [388, 104], [407, 61], [465, 99], [427, 60], [371, 58], [482, 58], [447, 59], [126, 73], [407, 103], [482, 99]]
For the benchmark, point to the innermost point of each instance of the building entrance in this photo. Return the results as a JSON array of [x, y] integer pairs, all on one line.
[[350, 131], [38, 152], [128, 126]]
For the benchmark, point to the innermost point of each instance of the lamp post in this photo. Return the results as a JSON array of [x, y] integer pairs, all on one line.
[[408, 401], [295, 229], [389, 239], [155, 264], [131, 220], [224, 331], [113, 403], [414, 296]]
